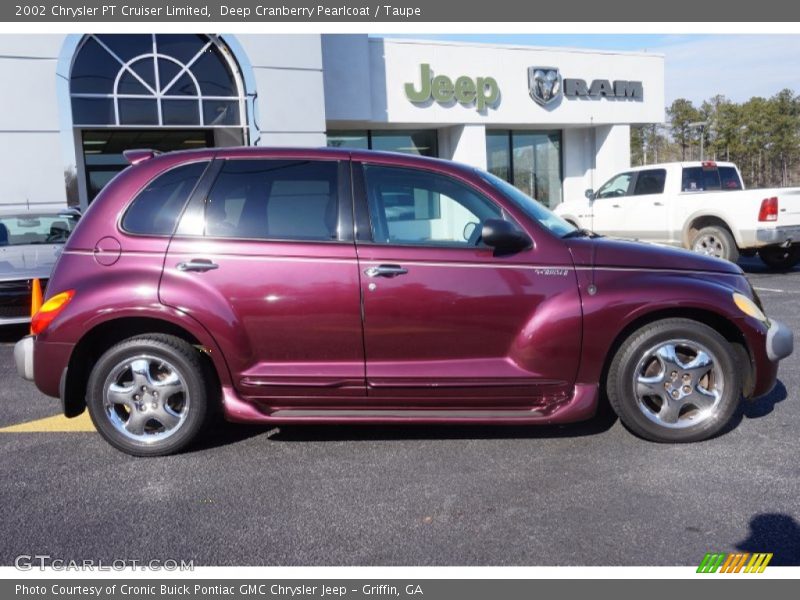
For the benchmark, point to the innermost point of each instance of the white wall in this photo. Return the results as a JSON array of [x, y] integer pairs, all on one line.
[[291, 98], [592, 155], [31, 164], [464, 143], [393, 63]]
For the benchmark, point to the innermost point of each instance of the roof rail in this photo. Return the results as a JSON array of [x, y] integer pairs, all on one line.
[[135, 156]]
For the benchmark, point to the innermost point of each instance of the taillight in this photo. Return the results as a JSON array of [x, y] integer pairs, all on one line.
[[50, 311], [769, 209]]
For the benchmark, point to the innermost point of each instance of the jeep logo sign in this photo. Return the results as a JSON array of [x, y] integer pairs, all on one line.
[[603, 88], [482, 92]]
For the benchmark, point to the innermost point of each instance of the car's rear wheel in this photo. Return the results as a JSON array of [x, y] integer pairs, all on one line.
[[147, 395], [715, 241], [780, 259], [675, 380]]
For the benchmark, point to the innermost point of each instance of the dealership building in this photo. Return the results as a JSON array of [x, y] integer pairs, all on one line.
[[552, 121]]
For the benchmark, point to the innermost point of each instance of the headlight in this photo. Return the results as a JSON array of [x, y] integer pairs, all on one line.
[[748, 307]]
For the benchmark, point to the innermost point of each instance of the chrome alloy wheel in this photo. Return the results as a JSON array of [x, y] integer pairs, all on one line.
[[145, 398], [678, 384], [710, 245]]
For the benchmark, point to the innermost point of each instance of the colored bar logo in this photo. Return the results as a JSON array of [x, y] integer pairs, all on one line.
[[734, 562]]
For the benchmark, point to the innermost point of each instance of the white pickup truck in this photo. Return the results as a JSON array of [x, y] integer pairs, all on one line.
[[702, 206]]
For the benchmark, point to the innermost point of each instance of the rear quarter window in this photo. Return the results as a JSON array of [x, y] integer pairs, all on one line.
[[729, 178], [156, 209]]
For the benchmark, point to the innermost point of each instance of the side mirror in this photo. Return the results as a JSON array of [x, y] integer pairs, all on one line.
[[589, 193], [504, 236]]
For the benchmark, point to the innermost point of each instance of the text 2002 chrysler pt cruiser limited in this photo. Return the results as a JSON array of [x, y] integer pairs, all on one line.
[[299, 286]]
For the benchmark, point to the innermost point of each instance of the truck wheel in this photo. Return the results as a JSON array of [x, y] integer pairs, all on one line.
[[674, 380], [780, 259], [715, 241], [147, 395]]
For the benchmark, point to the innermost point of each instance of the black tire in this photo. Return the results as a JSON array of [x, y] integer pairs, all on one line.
[[780, 259], [715, 240], [182, 361], [642, 417]]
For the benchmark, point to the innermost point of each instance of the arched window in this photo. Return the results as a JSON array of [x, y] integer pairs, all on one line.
[[145, 80]]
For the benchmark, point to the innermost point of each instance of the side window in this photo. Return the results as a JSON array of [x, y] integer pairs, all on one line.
[[410, 206], [274, 200], [729, 178], [650, 182], [156, 209], [617, 186]]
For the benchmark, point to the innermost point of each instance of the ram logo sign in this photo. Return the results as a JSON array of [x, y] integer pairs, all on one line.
[[603, 88], [544, 84]]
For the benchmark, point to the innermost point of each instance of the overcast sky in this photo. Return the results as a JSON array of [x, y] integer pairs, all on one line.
[[697, 66]]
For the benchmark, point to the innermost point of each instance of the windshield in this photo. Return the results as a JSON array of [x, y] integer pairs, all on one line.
[[20, 230], [529, 206]]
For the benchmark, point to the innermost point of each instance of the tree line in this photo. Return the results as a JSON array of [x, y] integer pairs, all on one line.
[[761, 135]]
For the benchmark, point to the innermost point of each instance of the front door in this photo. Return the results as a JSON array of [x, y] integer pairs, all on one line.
[[611, 205], [446, 321], [272, 272]]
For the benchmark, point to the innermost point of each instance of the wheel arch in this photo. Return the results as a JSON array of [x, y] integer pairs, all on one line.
[[724, 326], [700, 220], [104, 335]]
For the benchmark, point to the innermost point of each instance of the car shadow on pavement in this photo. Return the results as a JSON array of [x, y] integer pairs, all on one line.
[[777, 533], [601, 423], [755, 409], [754, 266]]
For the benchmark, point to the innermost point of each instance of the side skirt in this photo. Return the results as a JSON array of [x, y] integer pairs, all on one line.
[[581, 406]]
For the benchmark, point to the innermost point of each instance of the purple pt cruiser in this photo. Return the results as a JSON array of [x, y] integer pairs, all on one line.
[[334, 286]]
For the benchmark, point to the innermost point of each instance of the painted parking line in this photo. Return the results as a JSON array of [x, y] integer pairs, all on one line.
[[54, 424], [763, 289]]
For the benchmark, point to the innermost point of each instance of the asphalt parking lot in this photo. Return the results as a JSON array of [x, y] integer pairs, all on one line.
[[580, 495]]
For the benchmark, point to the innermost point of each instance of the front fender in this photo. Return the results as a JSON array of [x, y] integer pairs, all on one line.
[[625, 296]]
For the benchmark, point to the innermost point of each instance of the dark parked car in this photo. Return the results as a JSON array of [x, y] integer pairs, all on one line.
[[308, 286], [29, 245]]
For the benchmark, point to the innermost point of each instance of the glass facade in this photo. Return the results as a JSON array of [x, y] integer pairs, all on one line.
[[531, 160], [422, 142], [156, 80]]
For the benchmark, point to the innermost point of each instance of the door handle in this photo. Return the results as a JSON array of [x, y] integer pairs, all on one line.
[[658, 204], [385, 271], [199, 265]]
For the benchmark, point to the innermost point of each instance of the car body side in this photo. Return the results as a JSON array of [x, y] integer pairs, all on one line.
[[584, 305]]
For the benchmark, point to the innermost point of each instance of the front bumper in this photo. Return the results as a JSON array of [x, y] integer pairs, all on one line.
[[780, 341], [779, 235], [23, 357]]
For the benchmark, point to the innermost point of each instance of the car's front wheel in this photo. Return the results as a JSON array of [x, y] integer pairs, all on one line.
[[147, 395], [675, 380]]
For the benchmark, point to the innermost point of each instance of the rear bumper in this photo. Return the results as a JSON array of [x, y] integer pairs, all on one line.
[[44, 363], [778, 235]]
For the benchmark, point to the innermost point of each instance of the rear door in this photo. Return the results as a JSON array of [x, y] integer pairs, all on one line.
[[447, 322], [265, 260]]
